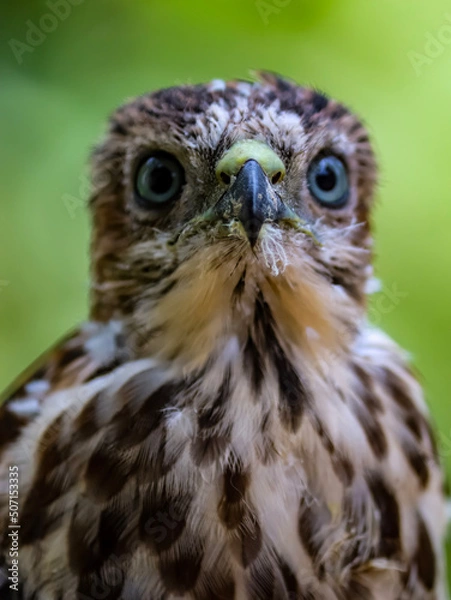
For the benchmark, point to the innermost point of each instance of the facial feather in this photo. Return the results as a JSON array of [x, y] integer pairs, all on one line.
[[134, 255]]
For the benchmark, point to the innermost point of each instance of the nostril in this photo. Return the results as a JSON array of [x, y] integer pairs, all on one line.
[[224, 177], [276, 177]]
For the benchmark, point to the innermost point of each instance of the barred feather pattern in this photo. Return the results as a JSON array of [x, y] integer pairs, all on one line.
[[198, 486], [227, 425]]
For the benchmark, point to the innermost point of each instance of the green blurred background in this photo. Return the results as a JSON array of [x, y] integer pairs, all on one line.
[[384, 59]]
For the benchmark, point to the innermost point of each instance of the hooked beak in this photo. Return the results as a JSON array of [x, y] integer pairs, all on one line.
[[251, 169]]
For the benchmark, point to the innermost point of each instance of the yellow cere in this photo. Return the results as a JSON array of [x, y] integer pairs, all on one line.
[[245, 150]]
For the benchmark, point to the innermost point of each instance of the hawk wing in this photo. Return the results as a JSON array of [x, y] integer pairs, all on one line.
[[91, 350]]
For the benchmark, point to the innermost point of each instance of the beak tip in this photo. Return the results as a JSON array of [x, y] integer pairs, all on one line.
[[252, 227], [252, 240]]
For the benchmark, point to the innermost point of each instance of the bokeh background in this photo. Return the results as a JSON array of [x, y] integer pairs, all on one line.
[[60, 76]]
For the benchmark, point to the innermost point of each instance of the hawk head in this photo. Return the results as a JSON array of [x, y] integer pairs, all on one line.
[[217, 203]]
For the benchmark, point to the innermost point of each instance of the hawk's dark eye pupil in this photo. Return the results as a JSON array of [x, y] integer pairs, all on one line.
[[326, 179], [159, 181]]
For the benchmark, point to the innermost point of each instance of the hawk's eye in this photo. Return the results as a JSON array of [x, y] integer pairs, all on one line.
[[328, 181], [159, 181]]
